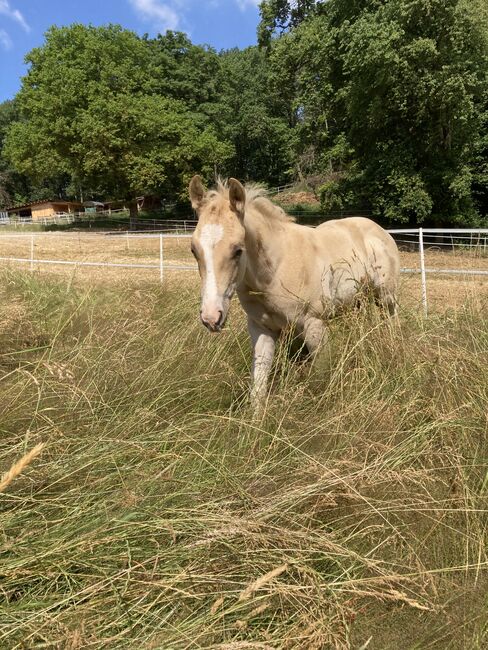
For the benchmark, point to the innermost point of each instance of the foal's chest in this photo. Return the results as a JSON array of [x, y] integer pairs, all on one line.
[[263, 309]]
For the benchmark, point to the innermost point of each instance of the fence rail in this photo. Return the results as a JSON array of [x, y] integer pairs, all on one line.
[[422, 237], [112, 216]]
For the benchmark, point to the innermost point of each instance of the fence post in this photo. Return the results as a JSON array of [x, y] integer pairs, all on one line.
[[161, 258], [32, 253], [422, 270]]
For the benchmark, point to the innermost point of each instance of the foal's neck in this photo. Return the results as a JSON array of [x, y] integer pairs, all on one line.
[[264, 248]]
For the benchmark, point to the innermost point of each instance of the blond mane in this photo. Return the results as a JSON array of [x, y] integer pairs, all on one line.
[[255, 197]]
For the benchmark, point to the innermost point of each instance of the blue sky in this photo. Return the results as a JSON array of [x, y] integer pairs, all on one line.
[[220, 23]]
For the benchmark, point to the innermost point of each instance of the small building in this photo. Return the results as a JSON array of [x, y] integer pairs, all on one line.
[[148, 202], [42, 209], [95, 206]]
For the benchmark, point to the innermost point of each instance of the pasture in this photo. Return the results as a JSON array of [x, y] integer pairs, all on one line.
[[161, 515], [444, 291]]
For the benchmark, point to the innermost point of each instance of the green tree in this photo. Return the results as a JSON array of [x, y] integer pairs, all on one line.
[[253, 118], [278, 16], [391, 97], [14, 187], [184, 71], [91, 111], [6, 118]]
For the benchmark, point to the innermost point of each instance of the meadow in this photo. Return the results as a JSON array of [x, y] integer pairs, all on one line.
[[443, 291], [160, 514]]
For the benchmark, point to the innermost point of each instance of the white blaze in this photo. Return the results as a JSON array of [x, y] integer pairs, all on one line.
[[212, 233]]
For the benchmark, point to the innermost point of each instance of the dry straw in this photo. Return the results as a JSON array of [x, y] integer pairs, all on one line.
[[18, 467], [260, 582], [217, 605]]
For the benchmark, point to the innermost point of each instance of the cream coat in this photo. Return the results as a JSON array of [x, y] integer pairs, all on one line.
[[285, 274]]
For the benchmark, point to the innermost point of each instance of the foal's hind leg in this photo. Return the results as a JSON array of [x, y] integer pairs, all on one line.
[[386, 299]]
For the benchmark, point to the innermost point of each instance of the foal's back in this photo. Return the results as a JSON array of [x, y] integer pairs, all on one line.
[[357, 236]]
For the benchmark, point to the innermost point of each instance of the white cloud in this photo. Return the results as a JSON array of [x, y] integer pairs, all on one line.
[[161, 14], [173, 14], [5, 40], [15, 14], [244, 4]]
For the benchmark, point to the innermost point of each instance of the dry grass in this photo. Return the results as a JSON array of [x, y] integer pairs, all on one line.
[[96, 247], [296, 198], [443, 291], [162, 515], [18, 467]]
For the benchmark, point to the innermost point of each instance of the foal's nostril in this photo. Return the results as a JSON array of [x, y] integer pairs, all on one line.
[[213, 323]]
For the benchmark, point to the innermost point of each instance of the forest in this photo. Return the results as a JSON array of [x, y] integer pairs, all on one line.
[[378, 105]]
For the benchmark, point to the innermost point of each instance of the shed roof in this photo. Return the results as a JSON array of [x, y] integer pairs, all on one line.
[[43, 202]]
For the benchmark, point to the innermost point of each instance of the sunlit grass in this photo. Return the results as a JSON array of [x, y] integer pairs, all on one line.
[[162, 514]]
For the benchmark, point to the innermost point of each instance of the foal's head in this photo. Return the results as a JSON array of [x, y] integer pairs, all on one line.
[[218, 246]]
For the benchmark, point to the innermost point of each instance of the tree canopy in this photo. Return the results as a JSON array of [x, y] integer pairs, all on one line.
[[384, 101], [390, 100], [94, 109]]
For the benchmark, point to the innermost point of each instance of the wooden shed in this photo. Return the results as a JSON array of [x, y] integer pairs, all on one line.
[[42, 209]]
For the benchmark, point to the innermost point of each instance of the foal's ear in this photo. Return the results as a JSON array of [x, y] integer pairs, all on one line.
[[237, 197], [197, 192]]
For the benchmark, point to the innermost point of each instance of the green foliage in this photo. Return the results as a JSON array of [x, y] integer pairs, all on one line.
[[90, 111], [6, 110], [253, 119], [16, 187], [12, 185], [331, 197], [401, 86], [281, 15], [404, 198], [184, 71]]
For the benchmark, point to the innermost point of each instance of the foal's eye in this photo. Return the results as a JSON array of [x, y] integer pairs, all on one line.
[[237, 253]]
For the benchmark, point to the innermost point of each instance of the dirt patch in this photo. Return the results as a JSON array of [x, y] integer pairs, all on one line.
[[296, 198]]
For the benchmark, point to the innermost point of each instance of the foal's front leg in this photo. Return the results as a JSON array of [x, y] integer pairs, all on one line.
[[314, 335], [263, 344]]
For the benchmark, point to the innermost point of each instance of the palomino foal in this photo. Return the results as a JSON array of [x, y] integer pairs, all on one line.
[[284, 274]]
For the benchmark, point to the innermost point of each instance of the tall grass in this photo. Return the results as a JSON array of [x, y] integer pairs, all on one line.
[[161, 514]]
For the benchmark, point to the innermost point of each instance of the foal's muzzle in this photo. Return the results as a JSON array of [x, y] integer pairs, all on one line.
[[214, 322]]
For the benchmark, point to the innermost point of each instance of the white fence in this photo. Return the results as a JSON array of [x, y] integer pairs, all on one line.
[[161, 266], [113, 216], [472, 239], [419, 240], [67, 218], [58, 218]]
